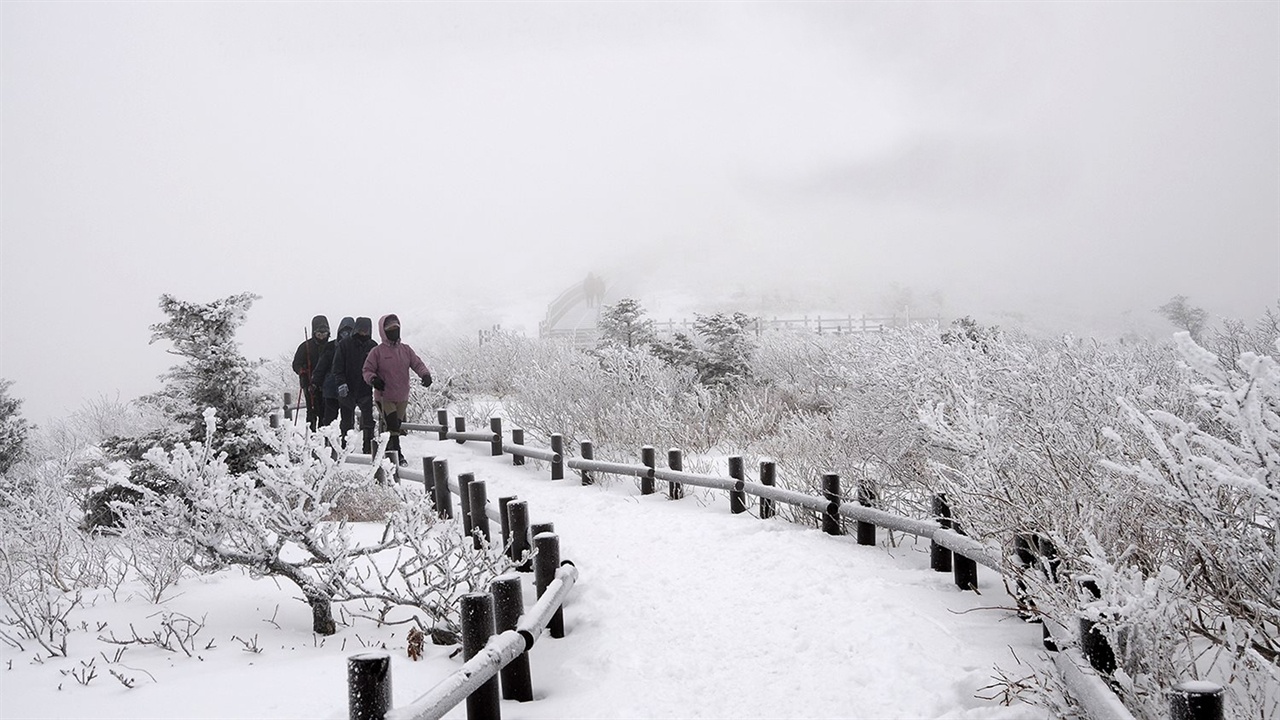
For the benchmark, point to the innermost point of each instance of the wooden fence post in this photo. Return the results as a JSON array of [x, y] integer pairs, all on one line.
[[648, 458], [768, 478], [442, 419], [504, 522], [508, 606], [368, 685], [1196, 700], [939, 556], [675, 461], [737, 496], [429, 481], [588, 452], [460, 424], [517, 438], [444, 501], [866, 498], [477, 628], [495, 447], [831, 492], [964, 569], [464, 499], [1093, 644], [476, 496], [557, 447], [518, 510], [546, 561]]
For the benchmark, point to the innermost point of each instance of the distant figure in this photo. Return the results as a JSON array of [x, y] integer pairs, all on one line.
[[305, 360], [353, 391], [593, 289], [327, 381], [386, 369]]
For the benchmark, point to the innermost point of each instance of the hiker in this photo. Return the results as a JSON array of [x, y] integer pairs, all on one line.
[[327, 381], [386, 369], [348, 375], [305, 359]]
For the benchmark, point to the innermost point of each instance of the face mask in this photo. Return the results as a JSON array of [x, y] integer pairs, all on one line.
[[344, 333], [393, 334]]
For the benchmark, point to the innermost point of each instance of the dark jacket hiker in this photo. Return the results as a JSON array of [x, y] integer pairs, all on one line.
[[327, 381], [346, 371], [305, 360]]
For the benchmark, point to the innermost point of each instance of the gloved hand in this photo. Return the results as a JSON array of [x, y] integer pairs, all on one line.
[[426, 379], [343, 390], [378, 383]]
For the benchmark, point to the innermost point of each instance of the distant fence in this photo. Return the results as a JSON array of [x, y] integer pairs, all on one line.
[[817, 324], [1085, 667]]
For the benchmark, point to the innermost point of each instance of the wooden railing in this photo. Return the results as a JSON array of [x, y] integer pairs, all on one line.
[[1085, 667]]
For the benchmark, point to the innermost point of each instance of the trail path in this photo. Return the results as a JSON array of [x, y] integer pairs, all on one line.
[[684, 610]]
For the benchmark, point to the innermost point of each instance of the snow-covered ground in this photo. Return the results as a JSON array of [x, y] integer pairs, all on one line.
[[681, 610]]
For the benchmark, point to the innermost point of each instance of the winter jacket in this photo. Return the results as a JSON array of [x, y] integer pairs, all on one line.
[[392, 361], [329, 382], [348, 361], [307, 356]]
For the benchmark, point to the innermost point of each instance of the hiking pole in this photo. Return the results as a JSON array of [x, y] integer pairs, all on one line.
[[301, 390]]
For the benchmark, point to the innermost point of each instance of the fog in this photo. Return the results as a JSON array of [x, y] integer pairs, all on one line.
[[1067, 165]]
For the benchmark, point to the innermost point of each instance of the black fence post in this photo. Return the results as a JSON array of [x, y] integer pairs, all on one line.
[[866, 498], [1093, 644], [508, 606], [517, 438], [504, 522], [288, 406], [460, 424], [965, 570], [476, 496], [1196, 700], [444, 501], [518, 510], [1024, 554], [495, 447], [442, 419], [429, 481], [768, 478], [737, 496], [588, 452], [939, 556], [831, 493], [273, 421], [557, 447], [546, 561], [464, 500], [675, 461], [648, 458], [477, 628], [368, 685]]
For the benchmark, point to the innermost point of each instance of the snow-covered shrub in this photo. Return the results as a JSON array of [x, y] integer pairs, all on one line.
[[14, 429], [272, 519], [1213, 476], [620, 399]]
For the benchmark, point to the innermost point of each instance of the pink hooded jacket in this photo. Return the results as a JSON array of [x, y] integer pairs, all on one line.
[[392, 361]]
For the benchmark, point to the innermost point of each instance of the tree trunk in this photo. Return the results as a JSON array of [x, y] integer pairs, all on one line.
[[322, 615]]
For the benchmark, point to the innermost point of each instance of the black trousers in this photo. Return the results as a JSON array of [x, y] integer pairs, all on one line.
[[347, 410]]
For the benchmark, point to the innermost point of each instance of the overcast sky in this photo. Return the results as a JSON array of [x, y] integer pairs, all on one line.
[[461, 164]]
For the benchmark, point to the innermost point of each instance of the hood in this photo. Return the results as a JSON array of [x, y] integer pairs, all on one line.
[[347, 322], [382, 326], [364, 325], [318, 323]]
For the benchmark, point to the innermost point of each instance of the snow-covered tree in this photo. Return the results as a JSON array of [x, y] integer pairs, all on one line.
[[13, 428], [624, 323], [1185, 316]]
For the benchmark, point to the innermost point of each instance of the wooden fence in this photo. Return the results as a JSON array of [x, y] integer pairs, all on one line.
[[1086, 666]]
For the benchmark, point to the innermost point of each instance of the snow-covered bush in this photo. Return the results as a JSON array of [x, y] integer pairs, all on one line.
[[283, 519], [14, 429]]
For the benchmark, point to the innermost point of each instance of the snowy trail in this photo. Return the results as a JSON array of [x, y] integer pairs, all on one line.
[[683, 610]]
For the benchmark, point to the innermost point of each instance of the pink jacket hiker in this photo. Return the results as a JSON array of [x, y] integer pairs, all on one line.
[[392, 361]]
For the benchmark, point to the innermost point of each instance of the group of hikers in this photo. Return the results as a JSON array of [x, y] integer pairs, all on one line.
[[337, 376]]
